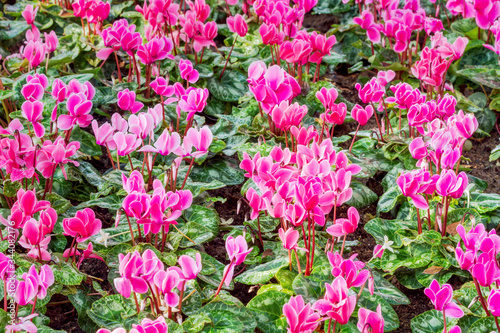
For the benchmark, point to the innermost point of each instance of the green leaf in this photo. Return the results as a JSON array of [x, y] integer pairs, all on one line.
[[67, 275], [228, 317], [371, 302], [87, 141], [46, 329], [484, 202], [311, 287], [60, 204], [113, 311], [482, 75], [230, 88], [465, 27], [362, 196], [262, 273], [379, 228], [428, 322], [267, 308], [202, 225], [389, 199], [195, 323], [387, 291], [285, 278], [197, 188], [495, 154], [81, 301], [221, 169]]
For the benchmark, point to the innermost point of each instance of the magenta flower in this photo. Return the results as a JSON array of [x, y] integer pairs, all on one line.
[[300, 317], [334, 113], [130, 279], [451, 184], [51, 41], [22, 324], [366, 21], [189, 267], [193, 101], [34, 52], [485, 270], [289, 238], [362, 115], [237, 24], [127, 102], [167, 281], [286, 115], [199, 140], [188, 72], [494, 302], [336, 304], [29, 14], [134, 183], [161, 87], [237, 250], [147, 325], [32, 111], [343, 227], [410, 184], [79, 108], [441, 298], [83, 226], [156, 49], [370, 321], [33, 91], [125, 143]]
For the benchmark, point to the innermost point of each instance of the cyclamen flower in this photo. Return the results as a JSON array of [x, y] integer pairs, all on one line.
[[127, 102], [237, 250], [336, 305], [32, 111], [147, 325], [83, 226], [79, 108], [237, 24], [187, 71], [300, 317], [345, 226], [370, 321], [200, 140], [285, 115], [441, 298]]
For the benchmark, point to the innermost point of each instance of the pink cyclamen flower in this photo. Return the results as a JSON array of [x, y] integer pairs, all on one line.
[[22, 324], [237, 250], [147, 325], [161, 87], [237, 24], [362, 115], [441, 297], [130, 279], [189, 267], [29, 14], [494, 302], [116, 330], [451, 184], [200, 140], [83, 226], [125, 143], [51, 41], [33, 91], [79, 108], [134, 183], [336, 305], [188, 72], [370, 321], [32, 111], [289, 238], [343, 227], [167, 281], [367, 22], [300, 316], [127, 102], [34, 52], [193, 101], [286, 115]]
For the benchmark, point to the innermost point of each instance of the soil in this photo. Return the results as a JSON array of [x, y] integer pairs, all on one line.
[[63, 316]]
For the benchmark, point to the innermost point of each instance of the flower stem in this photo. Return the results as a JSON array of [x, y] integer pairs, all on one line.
[[227, 59]]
